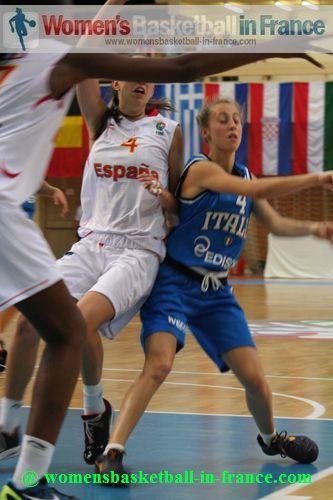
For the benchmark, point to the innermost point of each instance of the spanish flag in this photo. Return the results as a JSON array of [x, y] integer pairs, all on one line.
[[71, 149]]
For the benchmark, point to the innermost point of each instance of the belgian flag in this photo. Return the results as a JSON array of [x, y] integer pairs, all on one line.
[[71, 146]]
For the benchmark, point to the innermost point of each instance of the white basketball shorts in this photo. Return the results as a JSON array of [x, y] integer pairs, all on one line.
[[124, 275], [27, 264]]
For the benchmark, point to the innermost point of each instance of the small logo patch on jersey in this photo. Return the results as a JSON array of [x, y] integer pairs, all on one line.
[[160, 126], [228, 241]]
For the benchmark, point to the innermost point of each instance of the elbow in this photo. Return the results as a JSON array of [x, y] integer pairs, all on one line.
[[260, 189], [257, 192], [276, 226]]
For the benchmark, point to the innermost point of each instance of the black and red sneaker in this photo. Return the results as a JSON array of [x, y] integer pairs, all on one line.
[[96, 433]]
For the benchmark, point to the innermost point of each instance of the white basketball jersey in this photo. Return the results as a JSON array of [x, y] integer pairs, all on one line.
[[113, 200], [29, 120]]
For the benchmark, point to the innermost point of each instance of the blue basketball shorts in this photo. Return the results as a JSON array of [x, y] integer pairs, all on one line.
[[214, 317]]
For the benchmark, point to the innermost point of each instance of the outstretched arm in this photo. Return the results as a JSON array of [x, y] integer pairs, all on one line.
[[285, 226], [205, 175], [74, 68], [88, 92]]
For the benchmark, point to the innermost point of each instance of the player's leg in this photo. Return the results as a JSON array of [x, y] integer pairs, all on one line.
[[21, 359], [8, 314], [246, 365], [110, 304], [160, 350], [232, 346], [38, 292], [97, 309], [53, 313], [21, 363], [165, 301], [222, 328], [5, 318]]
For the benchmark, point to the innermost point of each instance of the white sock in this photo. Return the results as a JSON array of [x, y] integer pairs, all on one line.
[[114, 446], [36, 455], [10, 415], [268, 437], [93, 399]]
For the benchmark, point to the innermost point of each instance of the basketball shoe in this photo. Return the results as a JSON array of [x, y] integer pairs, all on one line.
[[112, 462], [9, 444], [41, 492], [96, 433], [300, 448]]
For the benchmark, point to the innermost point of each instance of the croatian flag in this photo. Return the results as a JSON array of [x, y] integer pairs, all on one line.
[[290, 128]]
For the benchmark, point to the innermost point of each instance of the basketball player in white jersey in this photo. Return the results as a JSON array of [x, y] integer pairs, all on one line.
[[122, 223], [34, 96], [29, 206]]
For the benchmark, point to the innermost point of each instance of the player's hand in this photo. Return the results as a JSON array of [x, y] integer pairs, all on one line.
[[281, 47], [59, 198], [310, 59], [151, 184], [323, 230], [326, 180]]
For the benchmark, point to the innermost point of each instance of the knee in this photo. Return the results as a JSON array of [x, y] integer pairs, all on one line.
[[70, 331], [159, 371], [256, 384], [25, 332]]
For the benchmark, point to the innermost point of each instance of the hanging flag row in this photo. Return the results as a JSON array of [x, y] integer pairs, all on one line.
[[287, 129]]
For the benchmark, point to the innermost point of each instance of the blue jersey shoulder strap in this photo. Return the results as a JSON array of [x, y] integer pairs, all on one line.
[[193, 159]]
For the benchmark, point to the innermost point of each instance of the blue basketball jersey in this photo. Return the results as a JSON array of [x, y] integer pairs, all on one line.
[[213, 226]]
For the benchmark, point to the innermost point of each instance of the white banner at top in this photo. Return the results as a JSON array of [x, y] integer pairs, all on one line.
[[168, 29]]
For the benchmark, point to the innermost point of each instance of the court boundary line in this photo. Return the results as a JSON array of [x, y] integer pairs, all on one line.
[[283, 493], [318, 408], [328, 379], [194, 414]]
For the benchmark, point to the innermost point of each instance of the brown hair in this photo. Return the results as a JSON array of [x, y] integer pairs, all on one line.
[[114, 112], [204, 113]]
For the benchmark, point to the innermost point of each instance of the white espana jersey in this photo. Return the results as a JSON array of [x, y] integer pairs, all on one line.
[[113, 200], [29, 120]]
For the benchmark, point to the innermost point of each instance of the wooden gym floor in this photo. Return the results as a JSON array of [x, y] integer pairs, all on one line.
[[198, 420]]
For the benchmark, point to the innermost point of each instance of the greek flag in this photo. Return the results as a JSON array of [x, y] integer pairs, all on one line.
[[188, 99]]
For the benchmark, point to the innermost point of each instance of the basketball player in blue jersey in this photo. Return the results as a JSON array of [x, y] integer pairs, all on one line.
[[34, 87], [216, 197]]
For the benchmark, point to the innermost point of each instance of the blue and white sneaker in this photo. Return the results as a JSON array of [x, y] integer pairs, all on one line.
[[42, 491]]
